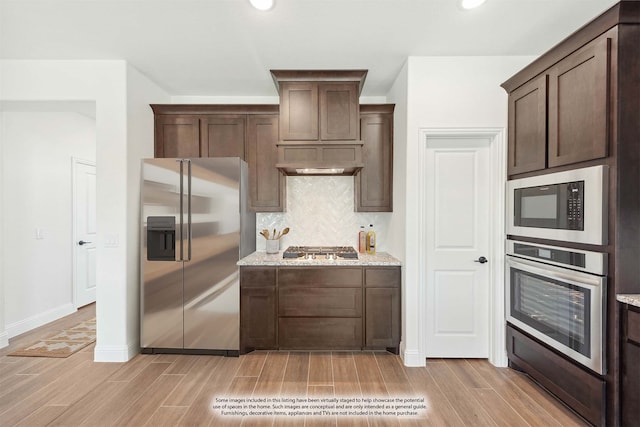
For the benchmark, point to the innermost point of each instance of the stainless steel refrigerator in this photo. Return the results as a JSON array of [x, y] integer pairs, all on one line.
[[196, 225]]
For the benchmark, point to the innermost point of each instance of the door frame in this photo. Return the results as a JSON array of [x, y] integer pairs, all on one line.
[[497, 166], [75, 161]]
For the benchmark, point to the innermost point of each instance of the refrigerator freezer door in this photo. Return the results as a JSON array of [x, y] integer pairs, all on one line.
[[161, 290], [211, 280]]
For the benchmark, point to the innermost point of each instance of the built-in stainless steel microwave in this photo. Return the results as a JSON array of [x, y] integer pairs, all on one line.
[[568, 206]]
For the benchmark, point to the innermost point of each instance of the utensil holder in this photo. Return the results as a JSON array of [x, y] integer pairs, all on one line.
[[273, 246]]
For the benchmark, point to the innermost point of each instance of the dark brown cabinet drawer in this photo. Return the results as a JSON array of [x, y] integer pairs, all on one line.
[[384, 277], [580, 390], [304, 333], [257, 276], [329, 302], [322, 276], [633, 326]]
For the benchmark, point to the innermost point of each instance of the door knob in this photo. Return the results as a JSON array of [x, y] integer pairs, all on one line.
[[481, 260], [82, 242]]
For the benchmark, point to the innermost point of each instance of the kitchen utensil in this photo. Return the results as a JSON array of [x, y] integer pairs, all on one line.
[[285, 231], [265, 233], [274, 234]]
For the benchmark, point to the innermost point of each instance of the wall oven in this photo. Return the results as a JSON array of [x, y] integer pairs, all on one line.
[[567, 206], [557, 295]]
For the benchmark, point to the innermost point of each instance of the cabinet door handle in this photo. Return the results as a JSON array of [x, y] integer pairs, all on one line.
[[481, 260]]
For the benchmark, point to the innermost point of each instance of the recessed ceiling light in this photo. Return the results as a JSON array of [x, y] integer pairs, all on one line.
[[470, 4], [262, 4]]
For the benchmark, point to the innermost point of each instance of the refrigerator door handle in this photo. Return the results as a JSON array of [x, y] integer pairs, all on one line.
[[189, 210], [181, 210]]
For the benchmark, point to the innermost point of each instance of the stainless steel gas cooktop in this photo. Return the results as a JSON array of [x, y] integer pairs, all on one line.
[[326, 252]]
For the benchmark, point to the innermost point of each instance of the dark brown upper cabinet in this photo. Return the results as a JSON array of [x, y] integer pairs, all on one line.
[[561, 115], [578, 105], [374, 183], [266, 182], [338, 111], [299, 112], [319, 105], [246, 131], [177, 136], [223, 135], [528, 127]]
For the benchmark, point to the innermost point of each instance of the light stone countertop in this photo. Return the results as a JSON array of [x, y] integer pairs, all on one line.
[[631, 299], [265, 259]]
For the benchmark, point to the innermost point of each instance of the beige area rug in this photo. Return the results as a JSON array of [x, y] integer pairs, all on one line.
[[62, 344]]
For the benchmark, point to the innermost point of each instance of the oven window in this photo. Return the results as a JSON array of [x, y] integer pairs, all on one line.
[[557, 309]]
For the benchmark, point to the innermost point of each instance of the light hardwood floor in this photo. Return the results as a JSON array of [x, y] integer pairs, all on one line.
[[170, 390]]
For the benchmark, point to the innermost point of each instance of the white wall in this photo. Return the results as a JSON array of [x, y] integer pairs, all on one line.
[[443, 92], [104, 82], [398, 95], [4, 337], [186, 99], [37, 189], [140, 130]]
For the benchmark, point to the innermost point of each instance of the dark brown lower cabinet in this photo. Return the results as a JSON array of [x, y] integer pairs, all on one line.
[[382, 322], [582, 391], [258, 315], [382, 301], [630, 393], [320, 308]]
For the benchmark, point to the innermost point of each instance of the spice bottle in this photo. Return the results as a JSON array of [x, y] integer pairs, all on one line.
[[362, 240], [371, 241]]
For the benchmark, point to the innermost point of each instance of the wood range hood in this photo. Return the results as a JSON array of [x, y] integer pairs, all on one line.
[[319, 121]]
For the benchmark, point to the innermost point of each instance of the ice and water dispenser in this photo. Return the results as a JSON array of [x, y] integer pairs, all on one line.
[[161, 238]]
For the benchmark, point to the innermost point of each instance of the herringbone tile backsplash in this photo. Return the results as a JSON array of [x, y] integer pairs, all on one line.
[[320, 213]]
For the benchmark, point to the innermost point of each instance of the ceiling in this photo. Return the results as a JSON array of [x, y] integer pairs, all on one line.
[[226, 48]]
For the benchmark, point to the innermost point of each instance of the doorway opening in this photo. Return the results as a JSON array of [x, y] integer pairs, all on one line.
[[44, 136], [84, 232]]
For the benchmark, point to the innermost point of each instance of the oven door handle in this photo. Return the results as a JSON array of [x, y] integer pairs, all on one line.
[[577, 278]]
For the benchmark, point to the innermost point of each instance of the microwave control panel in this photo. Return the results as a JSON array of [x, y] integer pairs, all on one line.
[[574, 205]]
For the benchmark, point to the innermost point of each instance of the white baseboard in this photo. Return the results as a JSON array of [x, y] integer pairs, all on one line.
[[115, 353], [413, 358], [4, 339], [25, 325], [499, 359]]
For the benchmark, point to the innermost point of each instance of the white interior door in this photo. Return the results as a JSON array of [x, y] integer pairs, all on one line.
[[457, 235], [84, 218]]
